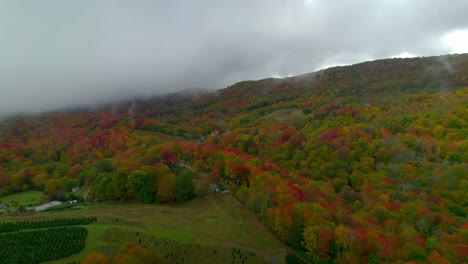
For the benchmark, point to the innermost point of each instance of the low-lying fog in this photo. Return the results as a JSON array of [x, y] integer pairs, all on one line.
[[56, 53]]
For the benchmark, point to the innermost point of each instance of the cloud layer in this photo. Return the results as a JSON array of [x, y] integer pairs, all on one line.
[[58, 53]]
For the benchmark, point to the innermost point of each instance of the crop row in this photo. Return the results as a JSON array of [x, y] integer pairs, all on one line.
[[293, 258], [6, 227], [173, 252], [115, 221], [40, 245]]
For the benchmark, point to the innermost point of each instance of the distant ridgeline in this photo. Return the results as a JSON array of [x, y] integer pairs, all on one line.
[[362, 163]]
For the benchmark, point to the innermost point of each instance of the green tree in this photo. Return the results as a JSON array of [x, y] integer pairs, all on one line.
[[119, 184], [103, 166], [185, 189], [141, 186]]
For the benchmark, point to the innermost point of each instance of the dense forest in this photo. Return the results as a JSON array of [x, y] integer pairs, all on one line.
[[362, 163]]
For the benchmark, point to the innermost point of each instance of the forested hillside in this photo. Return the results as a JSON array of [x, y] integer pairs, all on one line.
[[362, 163]]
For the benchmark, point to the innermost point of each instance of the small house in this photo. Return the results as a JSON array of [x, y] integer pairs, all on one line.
[[213, 188]]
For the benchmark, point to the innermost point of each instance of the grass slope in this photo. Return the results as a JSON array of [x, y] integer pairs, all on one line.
[[214, 220], [30, 198]]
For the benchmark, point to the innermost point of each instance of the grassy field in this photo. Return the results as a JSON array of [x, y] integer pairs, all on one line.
[[30, 198], [214, 220], [289, 116]]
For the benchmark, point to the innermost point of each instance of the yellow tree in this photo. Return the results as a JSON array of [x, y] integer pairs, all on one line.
[[96, 258], [132, 253], [311, 241], [343, 240], [166, 188]]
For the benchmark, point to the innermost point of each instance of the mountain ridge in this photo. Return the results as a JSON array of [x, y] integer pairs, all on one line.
[[353, 164]]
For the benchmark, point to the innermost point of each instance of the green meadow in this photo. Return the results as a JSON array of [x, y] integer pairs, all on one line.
[[29, 198]]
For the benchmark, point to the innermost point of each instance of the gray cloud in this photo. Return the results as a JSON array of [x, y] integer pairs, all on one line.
[[64, 53]]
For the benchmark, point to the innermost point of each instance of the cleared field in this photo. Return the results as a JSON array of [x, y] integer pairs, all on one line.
[[30, 198], [212, 221], [290, 116]]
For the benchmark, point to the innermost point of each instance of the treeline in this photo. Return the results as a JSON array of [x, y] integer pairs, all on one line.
[[120, 164], [157, 183]]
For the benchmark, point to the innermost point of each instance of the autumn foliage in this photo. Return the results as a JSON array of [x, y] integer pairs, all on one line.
[[363, 163]]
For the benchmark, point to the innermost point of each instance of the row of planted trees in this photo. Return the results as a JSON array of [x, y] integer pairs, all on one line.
[[7, 227], [41, 245]]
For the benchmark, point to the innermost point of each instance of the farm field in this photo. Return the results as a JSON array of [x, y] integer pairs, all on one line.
[[42, 240], [29, 198], [213, 221]]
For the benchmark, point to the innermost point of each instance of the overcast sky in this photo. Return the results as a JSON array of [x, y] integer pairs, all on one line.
[[59, 53]]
